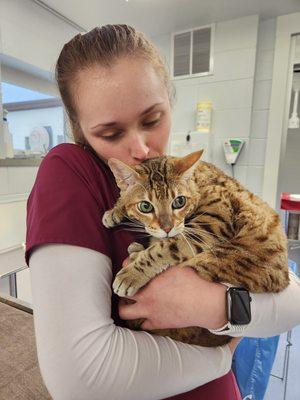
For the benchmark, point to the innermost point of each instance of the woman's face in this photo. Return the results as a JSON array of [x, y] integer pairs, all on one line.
[[124, 112]]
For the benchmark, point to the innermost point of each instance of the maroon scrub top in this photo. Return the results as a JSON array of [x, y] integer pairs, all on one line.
[[73, 189]]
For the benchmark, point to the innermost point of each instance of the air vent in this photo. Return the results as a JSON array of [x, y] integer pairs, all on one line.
[[192, 52]]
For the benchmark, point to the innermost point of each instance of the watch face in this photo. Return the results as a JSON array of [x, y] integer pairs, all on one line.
[[240, 310]]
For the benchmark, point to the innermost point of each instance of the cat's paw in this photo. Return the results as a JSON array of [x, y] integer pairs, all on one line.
[[135, 247], [128, 281], [108, 220]]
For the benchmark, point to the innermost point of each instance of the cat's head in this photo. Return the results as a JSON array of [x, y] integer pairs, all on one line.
[[158, 192]]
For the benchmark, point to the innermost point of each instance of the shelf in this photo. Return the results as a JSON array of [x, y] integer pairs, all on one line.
[[21, 162]]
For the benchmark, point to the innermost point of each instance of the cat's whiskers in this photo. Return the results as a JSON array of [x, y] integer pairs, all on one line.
[[143, 233], [191, 234], [192, 250], [221, 238], [195, 238], [131, 224], [204, 232], [131, 221]]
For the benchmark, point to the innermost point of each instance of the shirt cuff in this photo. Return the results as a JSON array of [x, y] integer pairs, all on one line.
[[229, 329]]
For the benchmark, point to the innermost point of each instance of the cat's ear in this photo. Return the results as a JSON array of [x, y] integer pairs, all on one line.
[[125, 176], [185, 166]]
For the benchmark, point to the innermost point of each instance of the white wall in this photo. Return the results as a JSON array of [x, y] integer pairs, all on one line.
[[261, 105], [32, 35], [28, 80], [239, 90]]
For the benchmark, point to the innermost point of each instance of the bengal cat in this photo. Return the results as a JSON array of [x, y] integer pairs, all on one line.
[[196, 216]]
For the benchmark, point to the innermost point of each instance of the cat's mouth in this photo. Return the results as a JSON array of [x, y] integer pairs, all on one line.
[[161, 234]]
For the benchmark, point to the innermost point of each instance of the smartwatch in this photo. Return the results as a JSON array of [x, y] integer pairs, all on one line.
[[238, 308]]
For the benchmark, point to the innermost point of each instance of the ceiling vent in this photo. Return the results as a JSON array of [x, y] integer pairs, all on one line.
[[192, 52]]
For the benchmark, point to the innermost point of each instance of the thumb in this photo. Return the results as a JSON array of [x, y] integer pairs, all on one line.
[[146, 325]]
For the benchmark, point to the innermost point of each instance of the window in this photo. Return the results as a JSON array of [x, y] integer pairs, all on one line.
[[192, 52], [35, 120]]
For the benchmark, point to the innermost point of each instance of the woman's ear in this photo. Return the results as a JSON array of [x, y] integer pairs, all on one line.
[[125, 176]]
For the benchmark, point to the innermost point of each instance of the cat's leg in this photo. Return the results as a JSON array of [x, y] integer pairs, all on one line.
[[113, 217], [133, 250], [241, 267], [135, 247], [148, 263]]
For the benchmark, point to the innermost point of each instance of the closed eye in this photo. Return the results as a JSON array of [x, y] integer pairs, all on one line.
[[151, 123], [112, 137]]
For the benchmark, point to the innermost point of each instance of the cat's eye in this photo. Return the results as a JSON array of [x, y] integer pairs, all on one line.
[[145, 207], [179, 202]]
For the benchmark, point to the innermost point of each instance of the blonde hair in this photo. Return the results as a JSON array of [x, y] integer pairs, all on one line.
[[103, 46]]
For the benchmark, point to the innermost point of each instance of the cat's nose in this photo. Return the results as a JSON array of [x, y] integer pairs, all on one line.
[[167, 229]]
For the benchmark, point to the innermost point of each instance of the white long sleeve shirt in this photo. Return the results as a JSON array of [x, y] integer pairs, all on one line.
[[83, 355]]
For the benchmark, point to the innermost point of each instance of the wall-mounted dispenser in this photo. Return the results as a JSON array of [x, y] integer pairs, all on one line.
[[232, 148]]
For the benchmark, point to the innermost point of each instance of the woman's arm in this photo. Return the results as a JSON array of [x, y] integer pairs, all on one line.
[[83, 355], [171, 300], [272, 313]]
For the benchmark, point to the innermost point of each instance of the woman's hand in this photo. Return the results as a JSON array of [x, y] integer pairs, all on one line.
[[233, 344], [177, 298]]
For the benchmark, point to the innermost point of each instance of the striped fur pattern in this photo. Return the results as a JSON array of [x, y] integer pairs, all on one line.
[[223, 231]]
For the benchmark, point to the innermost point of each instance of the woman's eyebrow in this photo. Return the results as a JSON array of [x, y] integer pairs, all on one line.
[[109, 124]]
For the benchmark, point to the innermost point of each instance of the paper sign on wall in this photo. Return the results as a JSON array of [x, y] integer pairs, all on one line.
[[204, 111]]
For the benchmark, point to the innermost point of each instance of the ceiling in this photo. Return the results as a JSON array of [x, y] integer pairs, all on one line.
[[155, 17]]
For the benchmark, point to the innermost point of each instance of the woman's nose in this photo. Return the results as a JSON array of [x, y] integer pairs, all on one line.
[[139, 148]]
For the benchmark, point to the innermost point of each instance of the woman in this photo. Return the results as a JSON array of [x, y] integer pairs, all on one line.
[[118, 96]]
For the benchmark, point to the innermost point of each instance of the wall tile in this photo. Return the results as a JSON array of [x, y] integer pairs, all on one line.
[[234, 64], [262, 95], [266, 34], [264, 66], [259, 127], [184, 113], [231, 122], [254, 181], [21, 179], [3, 180], [236, 34], [240, 173], [227, 94], [257, 152]]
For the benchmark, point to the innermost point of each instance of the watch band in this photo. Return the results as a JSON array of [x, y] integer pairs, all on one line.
[[229, 326]]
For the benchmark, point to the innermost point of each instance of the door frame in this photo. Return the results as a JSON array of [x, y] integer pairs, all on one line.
[[287, 26]]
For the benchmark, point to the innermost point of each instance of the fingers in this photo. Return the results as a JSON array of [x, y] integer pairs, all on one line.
[[130, 311], [147, 325]]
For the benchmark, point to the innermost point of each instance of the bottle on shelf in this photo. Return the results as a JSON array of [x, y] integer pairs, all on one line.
[[6, 139]]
